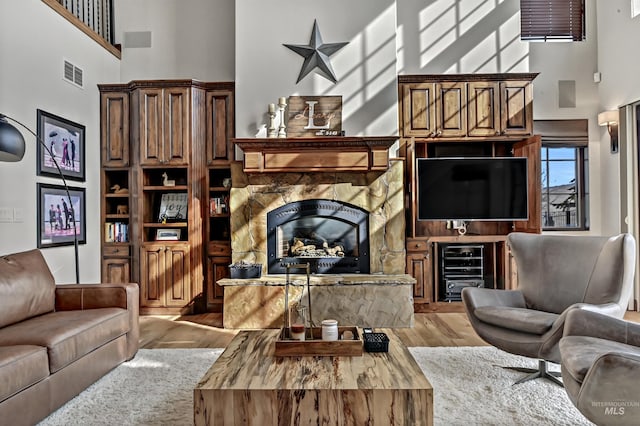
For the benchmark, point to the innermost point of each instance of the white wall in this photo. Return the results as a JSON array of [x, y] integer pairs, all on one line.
[[619, 63], [460, 36], [365, 68], [191, 39], [34, 40]]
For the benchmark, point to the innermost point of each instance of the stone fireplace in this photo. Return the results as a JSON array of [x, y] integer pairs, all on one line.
[[349, 225], [332, 236], [351, 200]]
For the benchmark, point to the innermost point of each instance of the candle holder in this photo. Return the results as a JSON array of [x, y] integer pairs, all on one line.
[[282, 132], [287, 312], [271, 131]]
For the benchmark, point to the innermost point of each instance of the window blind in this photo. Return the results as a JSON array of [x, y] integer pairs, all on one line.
[[562, 132], [542, 20]]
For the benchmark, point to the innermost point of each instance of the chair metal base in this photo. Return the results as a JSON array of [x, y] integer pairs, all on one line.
[[541, 372]]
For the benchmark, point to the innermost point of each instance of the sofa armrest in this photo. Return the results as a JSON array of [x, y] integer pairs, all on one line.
[[611, 387], [108, 295], [586, 322], [475, 297], [74, 297]]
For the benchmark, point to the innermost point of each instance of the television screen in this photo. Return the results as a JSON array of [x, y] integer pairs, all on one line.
[[473, 188]]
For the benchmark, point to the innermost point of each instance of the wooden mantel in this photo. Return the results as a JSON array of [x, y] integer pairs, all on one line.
[[316, 154]]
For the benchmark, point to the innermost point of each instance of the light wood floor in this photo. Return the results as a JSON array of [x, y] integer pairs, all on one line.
[[205, 331]]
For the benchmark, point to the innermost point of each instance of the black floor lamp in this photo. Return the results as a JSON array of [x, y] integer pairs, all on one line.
[[12, 148]]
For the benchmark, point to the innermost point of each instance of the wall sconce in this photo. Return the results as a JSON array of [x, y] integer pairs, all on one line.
[[610, 119]]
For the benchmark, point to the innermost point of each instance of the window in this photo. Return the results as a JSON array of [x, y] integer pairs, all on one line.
[[552, 20], [565, 162]]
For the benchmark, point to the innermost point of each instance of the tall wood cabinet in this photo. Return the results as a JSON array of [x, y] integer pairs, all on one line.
[[459, 115], [165, 159]]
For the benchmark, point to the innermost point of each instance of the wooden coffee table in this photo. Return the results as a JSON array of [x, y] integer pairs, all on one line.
[[249, 385]]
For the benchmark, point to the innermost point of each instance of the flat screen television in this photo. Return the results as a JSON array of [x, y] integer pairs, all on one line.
[[472, 188]]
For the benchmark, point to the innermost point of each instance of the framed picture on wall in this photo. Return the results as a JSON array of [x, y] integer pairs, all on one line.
[[65, 142], [55, 215]]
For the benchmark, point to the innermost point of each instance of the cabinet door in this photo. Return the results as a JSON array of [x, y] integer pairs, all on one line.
[[217, 268], [152, 275], [419, 266], [164, 120], [220, 127], [176, 129], [165, 275], [516, 98], [116, 270], [451, 110], [114, 134], [483, 109], [151, 126], [531, 148], [177, 275], [418, 110]]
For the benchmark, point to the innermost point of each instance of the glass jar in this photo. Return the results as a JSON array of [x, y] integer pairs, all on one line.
[[298, 322], [329, 329]]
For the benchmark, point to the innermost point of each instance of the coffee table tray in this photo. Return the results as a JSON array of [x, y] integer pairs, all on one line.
[[318, 347]]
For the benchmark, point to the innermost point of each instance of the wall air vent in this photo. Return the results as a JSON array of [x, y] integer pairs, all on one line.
[[73, 74]]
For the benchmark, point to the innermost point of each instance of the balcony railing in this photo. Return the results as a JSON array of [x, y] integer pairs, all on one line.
[[93, 17], [560, 219]]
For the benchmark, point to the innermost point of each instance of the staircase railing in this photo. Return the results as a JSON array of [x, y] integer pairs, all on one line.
[[94, 17]]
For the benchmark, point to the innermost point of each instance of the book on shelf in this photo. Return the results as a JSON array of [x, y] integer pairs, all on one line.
[[116, 232], [218, 205]]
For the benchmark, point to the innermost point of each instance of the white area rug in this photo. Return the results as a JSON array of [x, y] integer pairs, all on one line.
[[156, 388], [469, 390]]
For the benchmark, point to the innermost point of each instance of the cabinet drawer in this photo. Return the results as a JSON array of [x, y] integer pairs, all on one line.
[[417, 245], [116, 250], [216, 248]]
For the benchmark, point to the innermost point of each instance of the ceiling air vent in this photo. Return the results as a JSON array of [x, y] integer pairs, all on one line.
[[73, 74]]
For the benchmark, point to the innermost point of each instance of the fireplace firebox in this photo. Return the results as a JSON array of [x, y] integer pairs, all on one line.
[[332, 236]]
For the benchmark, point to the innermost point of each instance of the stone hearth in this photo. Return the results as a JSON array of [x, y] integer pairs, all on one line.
[[364, 300]]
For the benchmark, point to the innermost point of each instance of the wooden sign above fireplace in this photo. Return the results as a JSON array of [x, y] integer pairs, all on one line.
[[327, 154], [311, 116]]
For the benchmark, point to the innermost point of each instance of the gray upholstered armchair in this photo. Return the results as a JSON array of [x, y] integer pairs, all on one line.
[[556, 273], [601, 367]]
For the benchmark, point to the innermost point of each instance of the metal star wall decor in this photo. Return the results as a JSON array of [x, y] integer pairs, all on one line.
[[316, 55]]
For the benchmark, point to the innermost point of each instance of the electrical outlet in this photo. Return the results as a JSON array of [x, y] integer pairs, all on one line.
[[6, 214]]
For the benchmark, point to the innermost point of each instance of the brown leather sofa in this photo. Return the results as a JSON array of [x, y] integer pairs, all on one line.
[[55, 341]]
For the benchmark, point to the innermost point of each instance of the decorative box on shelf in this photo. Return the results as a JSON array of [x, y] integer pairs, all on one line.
[[285, 346]]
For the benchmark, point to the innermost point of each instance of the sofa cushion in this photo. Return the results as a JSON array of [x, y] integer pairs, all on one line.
[[518, 319], [26, 287], [20, 367], [68, 335], [580, 352]]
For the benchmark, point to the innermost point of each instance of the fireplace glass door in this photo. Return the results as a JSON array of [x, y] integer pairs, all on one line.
[[331, 236]]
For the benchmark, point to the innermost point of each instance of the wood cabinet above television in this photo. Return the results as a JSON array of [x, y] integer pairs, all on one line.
[[466, 106]]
